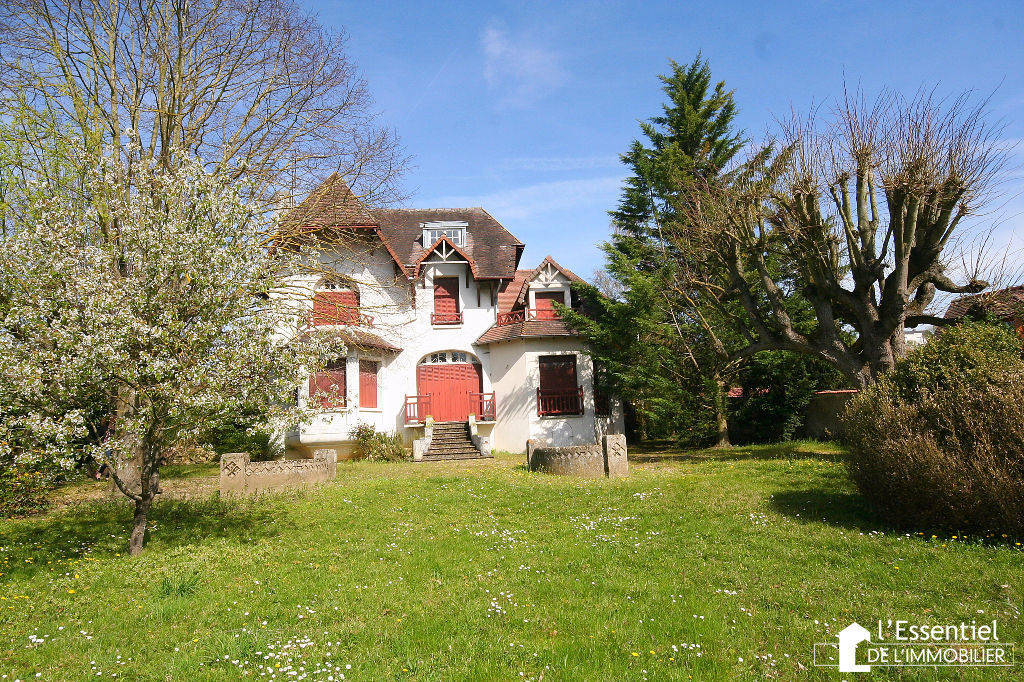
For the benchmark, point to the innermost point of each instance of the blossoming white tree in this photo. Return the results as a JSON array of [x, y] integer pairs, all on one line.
[[129, 318]]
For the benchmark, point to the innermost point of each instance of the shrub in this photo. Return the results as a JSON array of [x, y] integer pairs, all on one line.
[[22, 490], [973, 353], [373, 445], [242, 433], [939, 441]]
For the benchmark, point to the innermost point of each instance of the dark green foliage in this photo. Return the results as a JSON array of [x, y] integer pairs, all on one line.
[[241, 433], [640, 362], [972, 352], [939, 441], [692, 138], [655, 352], [22, 490], [777, 387], [372, 445]]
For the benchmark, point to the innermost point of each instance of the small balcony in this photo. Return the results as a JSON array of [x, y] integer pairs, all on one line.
[[417, 408], [527, 314], [445, 319], [452, 407], [483, 406], [559, 402]]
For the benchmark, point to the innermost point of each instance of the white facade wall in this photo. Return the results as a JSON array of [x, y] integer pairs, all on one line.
[[516, 376], [510, 370]]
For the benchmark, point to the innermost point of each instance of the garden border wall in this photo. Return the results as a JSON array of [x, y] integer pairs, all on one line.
[[240, 476]]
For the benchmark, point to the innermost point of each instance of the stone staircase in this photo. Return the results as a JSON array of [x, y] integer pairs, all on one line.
[[451, 441]]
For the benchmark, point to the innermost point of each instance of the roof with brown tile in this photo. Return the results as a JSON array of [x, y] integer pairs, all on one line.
[[353, 336], [524, 289], [513, 297], [493, 250], [1003, 303], [509, 295], [332, 204], [524, 330]]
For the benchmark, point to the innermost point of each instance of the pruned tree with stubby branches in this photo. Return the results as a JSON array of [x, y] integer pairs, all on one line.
[[864, 215]]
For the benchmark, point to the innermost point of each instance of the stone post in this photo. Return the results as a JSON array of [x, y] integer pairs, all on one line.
[[331, 455], [614, 448], [530, 447], [421, 445], [481, 443], [232, 473]]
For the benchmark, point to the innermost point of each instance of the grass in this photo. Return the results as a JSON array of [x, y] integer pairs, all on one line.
[[707, 565]]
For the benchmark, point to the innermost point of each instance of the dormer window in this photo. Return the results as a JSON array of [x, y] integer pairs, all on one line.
[[455, 230]]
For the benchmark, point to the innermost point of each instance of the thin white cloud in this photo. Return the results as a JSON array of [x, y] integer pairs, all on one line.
[[519, 69], [559, 163], [527, 202]]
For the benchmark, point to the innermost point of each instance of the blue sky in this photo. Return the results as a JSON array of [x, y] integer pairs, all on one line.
[[523, 108]]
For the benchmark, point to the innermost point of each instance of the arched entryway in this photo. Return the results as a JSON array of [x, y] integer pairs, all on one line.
[[453, 380]]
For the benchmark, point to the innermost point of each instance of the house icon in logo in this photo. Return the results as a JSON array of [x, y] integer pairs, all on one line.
[[849, 637]]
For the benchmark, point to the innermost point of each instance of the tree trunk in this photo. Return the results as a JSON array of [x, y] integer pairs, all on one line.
[[138, 534], [722, 415]]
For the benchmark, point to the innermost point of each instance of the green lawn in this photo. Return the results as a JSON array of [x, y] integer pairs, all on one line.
[[705, 565]]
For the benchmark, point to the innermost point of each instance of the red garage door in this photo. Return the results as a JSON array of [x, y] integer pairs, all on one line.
[[449, 386]]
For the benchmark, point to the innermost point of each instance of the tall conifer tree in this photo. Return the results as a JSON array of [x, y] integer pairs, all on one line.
[[656, 351]]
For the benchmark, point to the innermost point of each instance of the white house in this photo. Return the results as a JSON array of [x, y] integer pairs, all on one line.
[[450, 343]]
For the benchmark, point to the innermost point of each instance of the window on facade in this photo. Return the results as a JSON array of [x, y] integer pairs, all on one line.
[[559, 391], [433, 231], [335, 303], [368, 383], [446, 301], [444, 357], [327, 388]]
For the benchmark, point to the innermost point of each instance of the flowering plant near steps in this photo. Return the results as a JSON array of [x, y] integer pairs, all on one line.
[[134, 313], [375, 446]]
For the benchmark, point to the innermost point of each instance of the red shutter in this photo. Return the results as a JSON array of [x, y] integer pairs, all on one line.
[[336, 307], [446, 299], [325, 383], [368, 383], [558, 373], [544, 301]]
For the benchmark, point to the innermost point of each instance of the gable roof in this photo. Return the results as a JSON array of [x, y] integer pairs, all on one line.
[[1003, 303], [548, 260], [433, 247], [332, 204], [513, 296], [493, 250]]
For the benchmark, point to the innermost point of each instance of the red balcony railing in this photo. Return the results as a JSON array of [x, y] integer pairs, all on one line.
[[483, 406], [524, 314], [417, 408], [445, 318], [560, 401]]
